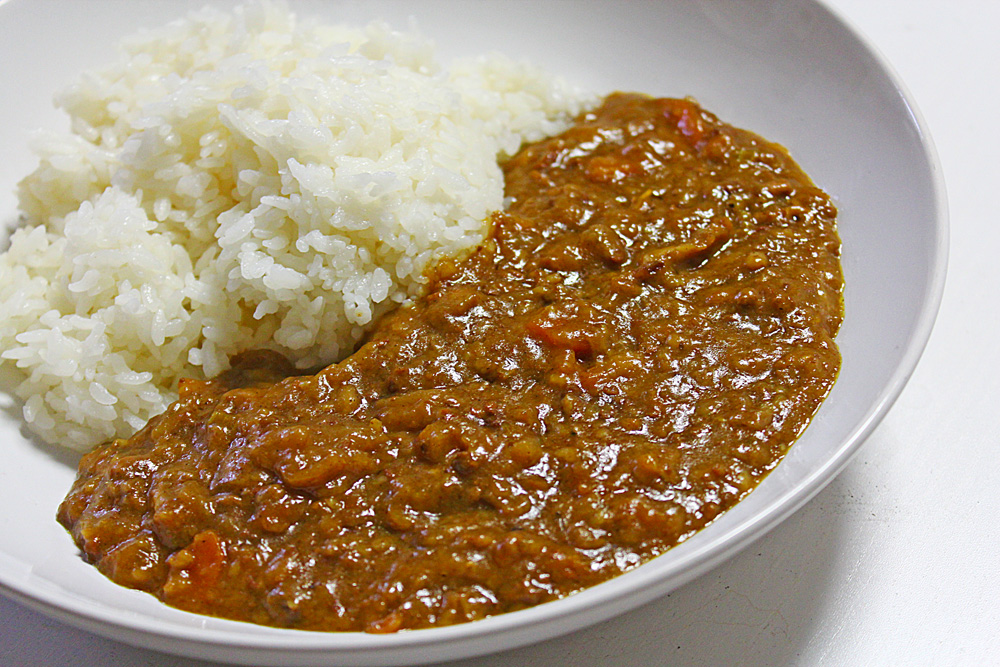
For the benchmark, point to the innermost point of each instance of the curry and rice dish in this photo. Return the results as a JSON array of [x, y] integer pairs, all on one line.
[[355, 341], [646, 329]]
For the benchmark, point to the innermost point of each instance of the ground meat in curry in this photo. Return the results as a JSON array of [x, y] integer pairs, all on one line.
[[644, 333]]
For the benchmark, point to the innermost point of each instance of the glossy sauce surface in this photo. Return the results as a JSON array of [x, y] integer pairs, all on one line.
[[647, 329]]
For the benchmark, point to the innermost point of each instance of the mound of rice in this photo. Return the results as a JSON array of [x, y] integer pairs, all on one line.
[[246, 180]]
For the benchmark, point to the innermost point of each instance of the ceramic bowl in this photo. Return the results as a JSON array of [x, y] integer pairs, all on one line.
[[790, 70]]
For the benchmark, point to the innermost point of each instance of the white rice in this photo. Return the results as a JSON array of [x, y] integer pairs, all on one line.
[[246, 180]]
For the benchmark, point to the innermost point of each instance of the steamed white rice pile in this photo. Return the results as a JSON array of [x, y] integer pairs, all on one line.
[[246, 180]]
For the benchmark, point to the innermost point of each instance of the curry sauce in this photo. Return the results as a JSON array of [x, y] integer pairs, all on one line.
[[648, 327]]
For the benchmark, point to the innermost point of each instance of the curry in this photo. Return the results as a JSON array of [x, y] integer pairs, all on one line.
[[648, 327]]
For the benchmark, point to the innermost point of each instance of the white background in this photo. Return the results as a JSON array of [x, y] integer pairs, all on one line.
[[897, 562]]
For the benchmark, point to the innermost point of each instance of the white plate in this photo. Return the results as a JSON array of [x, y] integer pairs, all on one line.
[[787, 69]]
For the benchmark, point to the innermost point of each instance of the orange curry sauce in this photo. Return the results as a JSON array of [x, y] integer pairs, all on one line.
[[646, 330]]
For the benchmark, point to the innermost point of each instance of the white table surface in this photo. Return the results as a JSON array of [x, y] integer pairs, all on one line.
[[897, 561]]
